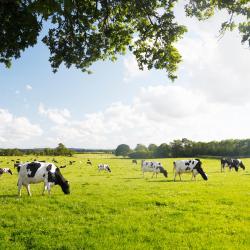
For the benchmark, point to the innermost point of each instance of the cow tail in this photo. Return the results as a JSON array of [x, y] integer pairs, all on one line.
[[174, 167]]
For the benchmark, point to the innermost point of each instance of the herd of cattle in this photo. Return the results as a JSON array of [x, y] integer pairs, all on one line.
[[48, 173]]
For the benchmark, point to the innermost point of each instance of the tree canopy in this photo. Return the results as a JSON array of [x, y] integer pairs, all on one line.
[[188, 148], [82, 32], [122, 150]]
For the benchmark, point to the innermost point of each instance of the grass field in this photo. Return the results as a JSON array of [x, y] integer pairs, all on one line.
[[122, 210]]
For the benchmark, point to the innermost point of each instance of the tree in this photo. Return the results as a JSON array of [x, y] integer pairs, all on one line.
[[152, 147], [141, 148], [82, 32], [163, 151], [62, 150], [177, 148], [122, 150]]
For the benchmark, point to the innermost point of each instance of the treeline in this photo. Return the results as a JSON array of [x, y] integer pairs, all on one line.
[[187, 148], [59, 150]]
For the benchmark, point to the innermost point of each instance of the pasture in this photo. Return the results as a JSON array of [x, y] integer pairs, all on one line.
[[121, 210]]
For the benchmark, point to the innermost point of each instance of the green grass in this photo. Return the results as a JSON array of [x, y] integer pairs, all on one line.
[[122, 210]]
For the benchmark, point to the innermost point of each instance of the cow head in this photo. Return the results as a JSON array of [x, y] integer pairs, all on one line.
[[9, 171], [163, 171], [60, 180], [242, 165], [200, 170], [108, 169]]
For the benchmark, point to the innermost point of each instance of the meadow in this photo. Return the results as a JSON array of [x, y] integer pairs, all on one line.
[[122, 210]]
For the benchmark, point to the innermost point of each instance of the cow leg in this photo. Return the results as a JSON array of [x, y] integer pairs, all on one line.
[[153, 175], [44, 188], [175, 176], [180, 176], [28, 189], [19, 187], [48, 188]]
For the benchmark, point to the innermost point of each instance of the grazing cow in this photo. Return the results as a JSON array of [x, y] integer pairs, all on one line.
[[89, 162], [152, 166], [134, 162], [104, 167], [5, 170], [232, 163], [189, 166], [63, 166], [71, 162], [54, 160], [36, 172]]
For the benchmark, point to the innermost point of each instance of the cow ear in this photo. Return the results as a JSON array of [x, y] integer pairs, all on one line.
[[48, 168]]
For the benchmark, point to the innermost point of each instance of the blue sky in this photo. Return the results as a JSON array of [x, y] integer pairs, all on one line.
[[120, 104]]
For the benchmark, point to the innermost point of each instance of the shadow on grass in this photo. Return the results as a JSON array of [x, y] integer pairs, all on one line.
[[9, 196], [159, 180], [132, 178], [177, 181]]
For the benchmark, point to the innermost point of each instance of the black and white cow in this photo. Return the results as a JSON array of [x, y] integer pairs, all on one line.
[[71, 162], [104, 167], [54, 160], [153, 166], [232, 163], [89, 162], [134, 162], [36, 172], [5, 170], [189, 166]]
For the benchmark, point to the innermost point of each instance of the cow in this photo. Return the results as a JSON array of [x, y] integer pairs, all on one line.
[[231, 163], [89, 162], [54, 160], [152, 166], [5, 170], [134, 162], [64, 166], [71, 162], [104, 167], [36, 172], [189, 166]]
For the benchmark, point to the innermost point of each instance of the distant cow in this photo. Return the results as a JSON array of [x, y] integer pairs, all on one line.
[[54, 160], [189, 166], [232, 163], [5, 170], [63, 166], [36, 172], [152, 166], [134, 162], [89, 162], [71, 162], [104, 167]]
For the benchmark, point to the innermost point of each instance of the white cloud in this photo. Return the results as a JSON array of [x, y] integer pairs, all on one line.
[[55, 115], [16, 130], [28, 87], [158, 114]]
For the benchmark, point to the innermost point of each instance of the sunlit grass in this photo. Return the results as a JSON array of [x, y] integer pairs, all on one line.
[[121, 210]]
